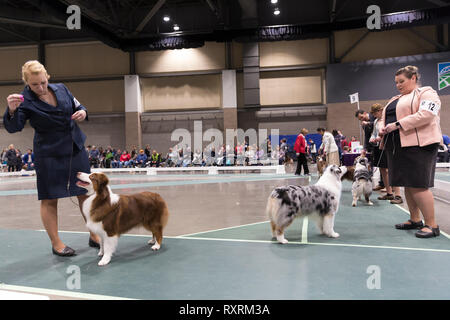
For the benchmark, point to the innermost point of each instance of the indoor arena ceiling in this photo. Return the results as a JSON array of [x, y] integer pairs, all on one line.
[[135, 25]]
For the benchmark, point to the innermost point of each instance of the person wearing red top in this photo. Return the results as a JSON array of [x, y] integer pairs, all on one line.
[[124, 159], [300, 149]]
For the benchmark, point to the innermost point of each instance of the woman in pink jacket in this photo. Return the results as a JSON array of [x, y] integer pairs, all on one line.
[[410, 126]]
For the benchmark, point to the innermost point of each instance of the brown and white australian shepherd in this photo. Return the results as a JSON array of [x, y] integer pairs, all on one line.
[[109, 215]]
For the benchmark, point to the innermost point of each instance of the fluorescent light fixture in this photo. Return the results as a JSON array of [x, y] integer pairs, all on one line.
[[176, 27], [274, 1], [276, 11], [166, 18]]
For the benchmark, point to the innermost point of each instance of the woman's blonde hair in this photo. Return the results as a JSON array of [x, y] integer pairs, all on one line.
[[33, 67], [376, 107], [409, 71], [304, 131]]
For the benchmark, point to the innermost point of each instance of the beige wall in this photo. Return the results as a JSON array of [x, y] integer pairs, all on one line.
[[85, 59], [291, 87], [13, 58], [182, 93], [100, 96], [341, 116], [292, 53], [209, 57], [384, 44], [5, 91]]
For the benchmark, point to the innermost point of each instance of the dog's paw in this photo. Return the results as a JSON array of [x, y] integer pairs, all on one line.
[[100, 253], [334, 235], [354, 204], [282, 240], [370, 203], [156, 247], [151, 242], [104, 261]]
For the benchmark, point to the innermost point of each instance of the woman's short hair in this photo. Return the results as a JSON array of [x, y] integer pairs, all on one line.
[[409, 71], [376, 107], [33, 67], [304, 131]]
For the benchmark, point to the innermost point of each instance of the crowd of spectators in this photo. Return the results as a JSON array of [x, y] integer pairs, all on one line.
[[12, 159], [243, 154]]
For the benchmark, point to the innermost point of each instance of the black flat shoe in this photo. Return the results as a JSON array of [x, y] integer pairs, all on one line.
[[409, 226], [67, 252], [93, 244], [423, 234]]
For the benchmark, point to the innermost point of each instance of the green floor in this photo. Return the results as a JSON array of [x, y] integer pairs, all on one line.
[[244, 263], [444, 176]]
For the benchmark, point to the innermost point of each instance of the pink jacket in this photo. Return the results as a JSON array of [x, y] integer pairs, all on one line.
[[419, 115]]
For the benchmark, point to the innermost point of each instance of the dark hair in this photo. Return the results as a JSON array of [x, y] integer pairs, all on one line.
[[358, 112], [409, 71], [320, 129], [334, 132]]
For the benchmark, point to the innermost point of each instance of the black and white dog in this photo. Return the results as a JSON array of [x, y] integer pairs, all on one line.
[[362, 183], [320, 201]]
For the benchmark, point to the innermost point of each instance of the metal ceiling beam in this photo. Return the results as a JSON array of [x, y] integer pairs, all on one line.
[[431, 41], [439, 3], [213, 8], [333, 11], [31, 23], [17, 34], [150, 15], [57, 9], [249, 13]]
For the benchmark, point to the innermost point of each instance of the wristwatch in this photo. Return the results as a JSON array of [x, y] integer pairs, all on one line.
[[398, 125]]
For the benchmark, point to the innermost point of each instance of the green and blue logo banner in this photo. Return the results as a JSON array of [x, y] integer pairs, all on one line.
[[443, 75]]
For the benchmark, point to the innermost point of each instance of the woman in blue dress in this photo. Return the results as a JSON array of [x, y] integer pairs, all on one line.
[[58, 144]]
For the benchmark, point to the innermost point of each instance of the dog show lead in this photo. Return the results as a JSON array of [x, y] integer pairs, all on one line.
[[58, 144]]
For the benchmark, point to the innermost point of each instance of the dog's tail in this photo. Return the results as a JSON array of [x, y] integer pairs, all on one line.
[[367, 188], [358, 186], [273, 205]]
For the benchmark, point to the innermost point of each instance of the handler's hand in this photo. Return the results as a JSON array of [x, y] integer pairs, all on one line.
[[389, 128], [14, 101], [79, 115]]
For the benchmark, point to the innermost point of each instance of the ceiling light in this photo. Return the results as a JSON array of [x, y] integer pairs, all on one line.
[[176, 27], [274, 1], [166, 18], [276, 11]]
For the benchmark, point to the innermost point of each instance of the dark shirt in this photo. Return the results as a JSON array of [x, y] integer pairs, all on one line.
[[391, 115], [368, 132]]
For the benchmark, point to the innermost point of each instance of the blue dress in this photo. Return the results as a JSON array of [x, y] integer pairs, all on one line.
[[58, 141]]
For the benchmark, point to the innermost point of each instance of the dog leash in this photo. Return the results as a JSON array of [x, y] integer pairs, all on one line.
[[382, 151]]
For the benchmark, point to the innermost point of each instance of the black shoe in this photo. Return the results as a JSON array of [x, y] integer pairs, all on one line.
[[434, 232], [67, 252], [409, 226], [93, 244]]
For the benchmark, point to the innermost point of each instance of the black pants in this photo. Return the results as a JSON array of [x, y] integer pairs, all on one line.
[[301, 161]]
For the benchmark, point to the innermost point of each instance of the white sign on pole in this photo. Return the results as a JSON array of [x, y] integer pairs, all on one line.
[[354, 98]]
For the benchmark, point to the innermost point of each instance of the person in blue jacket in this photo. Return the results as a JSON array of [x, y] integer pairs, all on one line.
[[58, 144], [28, 160]]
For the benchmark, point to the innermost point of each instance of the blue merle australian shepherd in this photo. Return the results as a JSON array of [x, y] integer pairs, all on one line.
[[319, 201]]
